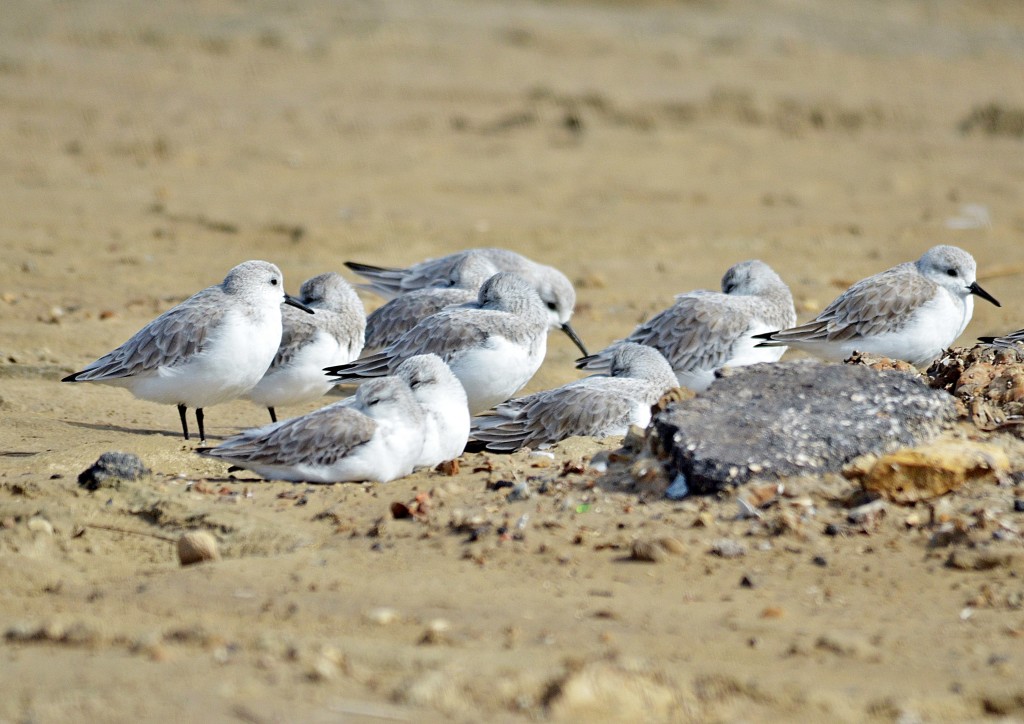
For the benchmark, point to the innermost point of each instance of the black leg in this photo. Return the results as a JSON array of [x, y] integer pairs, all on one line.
[[199, 421], [273, 415], [184, 421]]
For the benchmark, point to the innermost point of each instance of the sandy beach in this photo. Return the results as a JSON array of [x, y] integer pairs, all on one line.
[[642, 148]]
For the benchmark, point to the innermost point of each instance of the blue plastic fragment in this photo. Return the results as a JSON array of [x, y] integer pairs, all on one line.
[[678, 489]]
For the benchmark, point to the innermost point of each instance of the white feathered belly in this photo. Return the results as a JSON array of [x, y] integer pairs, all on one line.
[[493, 373], [391, 454], [744, 352], [232, 363], [932, 328], [445, 433], [302, 380]]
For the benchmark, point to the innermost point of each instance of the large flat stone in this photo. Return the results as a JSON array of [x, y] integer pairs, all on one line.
[[793, 418]]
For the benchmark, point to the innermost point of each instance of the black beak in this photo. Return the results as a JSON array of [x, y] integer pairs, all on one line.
[[976, 289], [571, 334], [293, 302]]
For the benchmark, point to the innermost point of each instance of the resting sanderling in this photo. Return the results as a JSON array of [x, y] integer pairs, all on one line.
[[390, 321], [377, 436], [705, 331], [1007, 340], [598, 406], [211, 348], [911, 312], [331, 336], [553, 287], [445, 411], [493, 346]]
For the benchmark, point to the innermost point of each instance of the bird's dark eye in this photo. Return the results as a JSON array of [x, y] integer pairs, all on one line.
[[415, 382], [552, 306], [952, 272], [273, 282], [372, 401]]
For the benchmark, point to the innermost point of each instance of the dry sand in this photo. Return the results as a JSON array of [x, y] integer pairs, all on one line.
[[642, 148]]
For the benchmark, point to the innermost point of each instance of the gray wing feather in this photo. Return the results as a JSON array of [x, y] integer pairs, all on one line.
[[698, 332], [444, 334], [450, 331], [587, 407], [320, 438], [298, 329], [438, 272], [389, 322], [391, 281], [867, 308], [168, 341]]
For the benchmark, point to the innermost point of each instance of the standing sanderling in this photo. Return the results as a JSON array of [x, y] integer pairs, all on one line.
[[493, 346], [390, 321], [331, 336], [211, 348], [377, 435], [445, 411], [911, 312], [552, 286], [705, 331], [598, 406]]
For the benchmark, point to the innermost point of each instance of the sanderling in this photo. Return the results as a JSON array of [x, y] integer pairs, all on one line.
[[705, 331], [911, 312], [211, 348], [445, 411], [494, 346], [331, 336], [553, 287], [1006, 340], [377, 436], [390, 321], [597, 406]]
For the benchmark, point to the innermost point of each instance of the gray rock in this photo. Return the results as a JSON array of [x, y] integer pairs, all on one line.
[[110, 468], [794, 418]]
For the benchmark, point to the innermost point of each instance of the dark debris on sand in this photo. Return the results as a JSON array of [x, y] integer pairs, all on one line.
[[110, 468], [794, 418]]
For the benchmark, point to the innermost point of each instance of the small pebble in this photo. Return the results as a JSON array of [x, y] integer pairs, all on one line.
[[521, 491], [37, 524], [867, 514], [197, 546], [726, 548], [326, 665], [599, 463], [436, 632], [1018, 505], [747, 581], [672, 545], [382, 616], [647, 551], [820, 561]]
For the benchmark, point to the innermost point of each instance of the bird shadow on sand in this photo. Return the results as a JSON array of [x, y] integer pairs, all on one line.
[[194, 438]]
